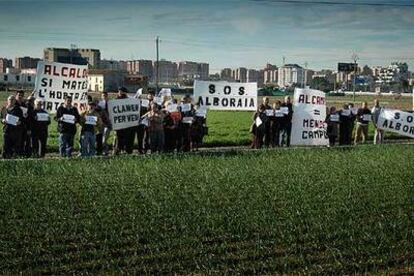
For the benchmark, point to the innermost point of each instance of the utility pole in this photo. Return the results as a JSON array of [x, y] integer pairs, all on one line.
[[306, 74], [157, 75], [355, 59]]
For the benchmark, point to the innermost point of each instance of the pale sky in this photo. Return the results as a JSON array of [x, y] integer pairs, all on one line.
[[226, 33]]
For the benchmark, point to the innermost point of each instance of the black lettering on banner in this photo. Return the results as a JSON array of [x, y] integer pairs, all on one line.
[[397, 115], [304, 135], [66, 84], [385, 124], [241, 91], [52, 94], [200, 100], [44, 82], [41, 95], [216, 101], [211, 89], [225, 102], [227, 90], [405, 128], [232, 102], [240, 103], [398, 126], [251, 103], [412, 130], [410, 119]]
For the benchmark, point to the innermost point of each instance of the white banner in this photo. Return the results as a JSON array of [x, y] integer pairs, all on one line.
[[124, 113], [397, 121], [55, 81], [309, 114], [223, 95]]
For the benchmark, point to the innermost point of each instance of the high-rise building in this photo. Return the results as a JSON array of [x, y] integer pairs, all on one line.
[[167, 71], [4, 64], [204, 71], [188, 70], [142, 67], [270, 74], [226, 74], [291, 74], [73, 56], [26, 62], [252, 75], [240, 74]]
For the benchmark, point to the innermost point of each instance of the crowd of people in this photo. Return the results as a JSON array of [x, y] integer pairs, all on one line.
[[272, 124], [166, 126]]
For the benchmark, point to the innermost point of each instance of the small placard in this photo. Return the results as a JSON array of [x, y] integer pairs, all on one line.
[[91, 120], [67, 118], [270, 113], [145, 103], [201, 112], [185, 107], [367, 117], [354, 111], [12, 120], [285, 110], [258, 121], [279, 114], [42, 117], [187, 120], [334, 118], [172, 107], [144, 121], [158, 100], [346, 112]]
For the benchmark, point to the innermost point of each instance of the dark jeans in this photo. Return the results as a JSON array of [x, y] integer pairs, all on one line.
[[157, 141], [143, 138], [39, 142], [12, 143], [66, 144], [186, 137], [170, 139], [99, 143], [286, 131], [267, 134], [275, 135]]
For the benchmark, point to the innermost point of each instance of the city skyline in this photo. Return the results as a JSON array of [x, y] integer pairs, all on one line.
[[224, 34]]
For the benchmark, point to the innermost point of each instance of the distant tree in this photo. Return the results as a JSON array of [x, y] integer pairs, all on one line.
[[322, 84]]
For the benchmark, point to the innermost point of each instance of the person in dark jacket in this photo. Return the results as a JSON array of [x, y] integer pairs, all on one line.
[[142, 128], [12, 117], [268, 127], [67, 117], [332, 119], [345, 125], [364, 117], [187, 115], [276, 124], [91, 122], [102, 137], [40, 129], [287, 108], [258, 127], [198, 128], [25, 141]]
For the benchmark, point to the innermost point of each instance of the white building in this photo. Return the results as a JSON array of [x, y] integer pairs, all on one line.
[[23, 79], [291, 74], [394, 73], [105, 80]]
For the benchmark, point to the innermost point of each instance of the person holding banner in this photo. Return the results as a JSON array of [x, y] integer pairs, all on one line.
[[91, 122], [258, 127], [40, 129], [11, 118], [379, 133], [364, 116], [67, 117], [287, 109], [332, 119]]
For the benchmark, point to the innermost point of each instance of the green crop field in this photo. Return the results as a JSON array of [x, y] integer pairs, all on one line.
[[232, 128], [330, 211]]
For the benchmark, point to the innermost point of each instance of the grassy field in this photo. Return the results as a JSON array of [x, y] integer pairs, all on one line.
[[232, 128], [331, 211]]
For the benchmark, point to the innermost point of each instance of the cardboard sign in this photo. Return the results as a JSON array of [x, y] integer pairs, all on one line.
[[308, 122], [221, 95], [185, 107], [67, 118], [91, 120], [334, 118], [270, 113], [55, 81], [279, 114], [284, 110], [12, 120], [367, 117], [145, 103], [165, 92], [258, 121], [124, 113], [397, 121], [158, 100], [346, 112], [172, 107], [201, 112], [42, 117], [187, 120]]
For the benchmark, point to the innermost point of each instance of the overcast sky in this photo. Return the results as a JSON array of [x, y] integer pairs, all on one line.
[[223, 33]]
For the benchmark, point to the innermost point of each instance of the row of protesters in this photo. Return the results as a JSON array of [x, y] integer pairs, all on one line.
[[272, 125]]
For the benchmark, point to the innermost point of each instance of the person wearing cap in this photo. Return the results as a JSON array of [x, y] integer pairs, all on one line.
[[67, 117], [364, 117], [379, 133], [11, 118], [91, 123], [124, 137], [41, 123]]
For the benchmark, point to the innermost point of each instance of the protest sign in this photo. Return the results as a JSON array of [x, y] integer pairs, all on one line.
[[55, 81], [397, 121], [201, 112], [42, 117], [12, 120], [185, 107], [270, 113], [223, 95], [144, 103], [124, 113], [172, 108], [309, 114], [68, 118], [91, 120], [165, 92]]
